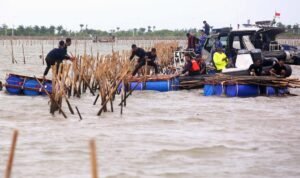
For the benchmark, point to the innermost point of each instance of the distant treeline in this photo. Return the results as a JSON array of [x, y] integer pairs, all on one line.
[[150, 31], [290, 30], [86, 32]]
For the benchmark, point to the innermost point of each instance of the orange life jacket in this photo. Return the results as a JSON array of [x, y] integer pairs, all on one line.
[[195, 66]]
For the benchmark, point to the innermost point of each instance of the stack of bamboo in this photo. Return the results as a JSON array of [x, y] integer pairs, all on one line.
[[101, 74], [165, 51], [256, 80]]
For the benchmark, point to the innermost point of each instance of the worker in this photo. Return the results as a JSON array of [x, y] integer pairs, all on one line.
[[206, 28], [220, 59], [141, 54], [192, 41], [57, 55], [202, 40], [278, 69], [256, 69], [151, 57], [191, 66], [202, 65]]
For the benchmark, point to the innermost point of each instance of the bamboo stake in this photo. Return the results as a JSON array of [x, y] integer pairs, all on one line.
[[69, 105], [93, 157], [24, 60], [96, 99], [122, 98], [52, 98], [12, 52], [11, 155], [111, 93], [87, 83], [78, 112], [43, 61]]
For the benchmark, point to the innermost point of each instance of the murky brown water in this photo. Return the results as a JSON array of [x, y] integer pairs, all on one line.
[[176, 134]]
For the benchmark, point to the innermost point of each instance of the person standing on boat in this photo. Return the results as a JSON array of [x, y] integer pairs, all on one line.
[[278, 69], [57, 55], [256, 68], [141, 54], [206, 28], [151, 57], [144, 57], [192, 41], [191, 66], [220, 59], [202, 39]]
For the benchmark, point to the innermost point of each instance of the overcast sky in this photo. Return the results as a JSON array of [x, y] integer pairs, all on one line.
[[128, 14]]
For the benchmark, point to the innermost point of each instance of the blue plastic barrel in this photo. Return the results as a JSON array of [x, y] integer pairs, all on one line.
[[272, 91], [242, 90], [136, 86], [48, 87], [161, 85], [218, 90], [175, 84], [210, 90], [282, 91], [16, 84], [31, 87]]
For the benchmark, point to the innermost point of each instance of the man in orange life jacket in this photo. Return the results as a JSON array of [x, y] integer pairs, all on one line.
[[191, 66]]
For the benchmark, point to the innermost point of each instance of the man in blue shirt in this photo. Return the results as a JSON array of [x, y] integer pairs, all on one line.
[[202, 39], [206, 27]]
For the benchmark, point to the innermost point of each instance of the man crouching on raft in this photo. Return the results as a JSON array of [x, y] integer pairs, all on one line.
[[191, 66], [143, 57]]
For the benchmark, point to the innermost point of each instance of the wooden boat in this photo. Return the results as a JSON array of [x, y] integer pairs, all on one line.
[[19, 84], [111, 39]]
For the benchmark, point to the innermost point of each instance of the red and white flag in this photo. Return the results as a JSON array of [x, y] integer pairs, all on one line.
[[277, 14]]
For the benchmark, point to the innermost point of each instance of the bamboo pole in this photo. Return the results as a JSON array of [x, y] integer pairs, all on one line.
[[43, 61], [11, 155], [24, 60], [52, 98], [97, 97], [111, 93], [78, 112], [93, 158], [12, 52]]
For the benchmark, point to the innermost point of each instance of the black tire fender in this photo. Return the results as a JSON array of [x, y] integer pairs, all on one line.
[[288, 70]]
